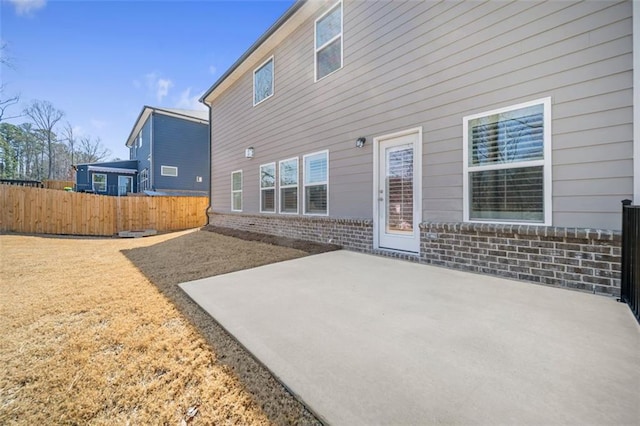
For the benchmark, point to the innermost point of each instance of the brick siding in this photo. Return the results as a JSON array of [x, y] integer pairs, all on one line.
[[584, 259]]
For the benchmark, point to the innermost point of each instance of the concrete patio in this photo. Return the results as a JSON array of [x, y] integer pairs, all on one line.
[[365, 340]]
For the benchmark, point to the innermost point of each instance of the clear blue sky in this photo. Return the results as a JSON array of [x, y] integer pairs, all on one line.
[[102, 61]]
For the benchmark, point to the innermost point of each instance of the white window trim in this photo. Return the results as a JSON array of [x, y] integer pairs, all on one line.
[[273, 80], [317, 49], [274, 187], [143, 181], [237, 190], [545, 162], [93, 181], [297, 185], [140, 139], [163, 173], [304, 184]]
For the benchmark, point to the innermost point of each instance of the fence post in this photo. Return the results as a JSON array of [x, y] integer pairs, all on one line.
[[625, 267]]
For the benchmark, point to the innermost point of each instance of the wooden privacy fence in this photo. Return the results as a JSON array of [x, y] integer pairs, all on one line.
[[44, 211]]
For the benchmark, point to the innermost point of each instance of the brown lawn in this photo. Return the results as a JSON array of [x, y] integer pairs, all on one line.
[[96, 331]]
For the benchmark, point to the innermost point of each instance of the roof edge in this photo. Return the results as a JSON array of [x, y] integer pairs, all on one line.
[[148, 110], [272, 29]]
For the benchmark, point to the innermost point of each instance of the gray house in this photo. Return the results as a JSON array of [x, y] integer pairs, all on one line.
[[168, 155], [493, 137]]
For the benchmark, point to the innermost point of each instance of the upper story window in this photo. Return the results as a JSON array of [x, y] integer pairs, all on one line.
[[140, 139], [328, 42], [169, 171], [507, 164], [263, 82]]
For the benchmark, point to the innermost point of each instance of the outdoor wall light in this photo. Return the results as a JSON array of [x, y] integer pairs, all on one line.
[[248, 153], [360, 142]]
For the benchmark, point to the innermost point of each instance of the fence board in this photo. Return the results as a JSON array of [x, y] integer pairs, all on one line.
[[45, 211]]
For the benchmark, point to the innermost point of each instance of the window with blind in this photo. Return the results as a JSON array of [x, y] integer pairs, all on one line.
[[289, 186], [263, 82], [507, 159], [316, 183], [328, 42], [268, 188], [236, 191]]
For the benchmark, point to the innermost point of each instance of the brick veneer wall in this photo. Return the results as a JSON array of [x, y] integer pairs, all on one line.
[[585, 259], [352, 234]]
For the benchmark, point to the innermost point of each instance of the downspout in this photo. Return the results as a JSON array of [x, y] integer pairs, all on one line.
[[636, 101], [152, 175], [210, 164]]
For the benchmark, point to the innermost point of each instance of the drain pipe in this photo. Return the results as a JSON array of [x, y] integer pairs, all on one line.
[[209, 160]]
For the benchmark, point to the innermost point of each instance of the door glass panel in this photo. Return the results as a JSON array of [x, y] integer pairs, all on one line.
[[399, 190]]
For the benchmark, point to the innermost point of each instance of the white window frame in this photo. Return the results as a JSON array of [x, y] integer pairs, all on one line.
[[143, 177], [304, 183], [297, 185], [273, 80], [140, 139], [164, 169], [239, 191], [328, 42], [274, 187], [546, 163], [93, 181]]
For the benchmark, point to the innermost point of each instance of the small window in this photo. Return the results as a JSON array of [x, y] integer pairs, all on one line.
[[328, 42], [169, 171], [140, 139], [316, 183], [289, 186], [268, 188], [263, 82], [236, 191], [99, 182], [508, 164]]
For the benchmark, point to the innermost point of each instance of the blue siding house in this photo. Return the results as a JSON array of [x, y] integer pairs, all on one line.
[[109, 178], [168, 155]]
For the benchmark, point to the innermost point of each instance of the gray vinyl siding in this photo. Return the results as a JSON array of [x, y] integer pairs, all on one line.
[[142, 153], [428, 64], [183, 144]]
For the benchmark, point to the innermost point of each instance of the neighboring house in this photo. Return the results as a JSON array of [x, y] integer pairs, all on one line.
[[493, 137], [168, 155], [110, 178]]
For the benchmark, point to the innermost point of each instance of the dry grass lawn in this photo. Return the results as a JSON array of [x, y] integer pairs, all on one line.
[[95, 331]]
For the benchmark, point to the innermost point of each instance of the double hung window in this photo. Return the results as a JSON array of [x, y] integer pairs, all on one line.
[[508, 164], [316, 183], [328, 42]]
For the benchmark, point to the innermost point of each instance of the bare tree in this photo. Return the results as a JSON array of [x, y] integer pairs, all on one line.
[[6, 102], [45, 116], [70, 138], [91, 150]]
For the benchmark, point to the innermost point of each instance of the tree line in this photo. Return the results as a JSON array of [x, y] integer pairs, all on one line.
[[43, 147]]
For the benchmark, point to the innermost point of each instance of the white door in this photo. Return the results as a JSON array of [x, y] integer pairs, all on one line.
[[125, 184], [397, 191]]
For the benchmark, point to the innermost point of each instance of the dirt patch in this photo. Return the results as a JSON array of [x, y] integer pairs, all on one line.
[[94, 336], [306, 246]]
